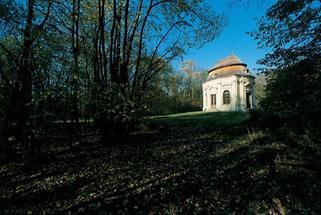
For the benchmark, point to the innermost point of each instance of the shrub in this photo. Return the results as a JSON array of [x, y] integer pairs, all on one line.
[[293, 96], [116, 116]]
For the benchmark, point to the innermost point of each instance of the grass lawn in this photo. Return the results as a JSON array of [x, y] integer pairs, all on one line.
[[191, 163]]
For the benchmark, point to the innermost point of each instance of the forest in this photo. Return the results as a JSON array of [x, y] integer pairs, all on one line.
[[95, 119]]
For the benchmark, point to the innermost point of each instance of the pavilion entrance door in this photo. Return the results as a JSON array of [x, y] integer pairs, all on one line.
[[248, 100], [213, 101]]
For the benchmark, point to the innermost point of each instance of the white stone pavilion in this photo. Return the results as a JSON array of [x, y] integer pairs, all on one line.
[[229, 86]]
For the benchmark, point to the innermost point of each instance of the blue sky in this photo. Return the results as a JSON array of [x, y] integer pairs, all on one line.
[[241, 19]]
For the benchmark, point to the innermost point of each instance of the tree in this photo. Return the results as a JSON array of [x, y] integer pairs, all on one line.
[[260, 84], [167, 39], [292, 29], [69, 61], [20, 109], [188, 67], [170, 92], [293, 95]]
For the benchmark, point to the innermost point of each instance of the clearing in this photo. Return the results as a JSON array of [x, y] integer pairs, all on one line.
[[182, 164]]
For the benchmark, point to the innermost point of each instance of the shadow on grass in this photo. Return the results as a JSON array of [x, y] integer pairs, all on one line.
[[194, 163]]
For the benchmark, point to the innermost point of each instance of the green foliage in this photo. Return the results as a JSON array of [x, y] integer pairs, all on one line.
[[308, 146], [61, 59], [293, 95], [116, 115], [291, 104], [291, 110], [6, 9], [260, 83], [292, 30], [174, 92]]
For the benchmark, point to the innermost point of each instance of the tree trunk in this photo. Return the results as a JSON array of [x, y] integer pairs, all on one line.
[[75, 69], [22, 103]]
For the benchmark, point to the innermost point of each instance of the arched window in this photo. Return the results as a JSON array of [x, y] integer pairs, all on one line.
[[226, 97]]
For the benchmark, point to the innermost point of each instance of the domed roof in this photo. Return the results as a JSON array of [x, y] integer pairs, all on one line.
[[231, 65], [228, 61]]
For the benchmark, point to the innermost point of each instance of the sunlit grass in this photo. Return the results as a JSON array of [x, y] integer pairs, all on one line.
[[240, 142], [186, 114], [199, 118]]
